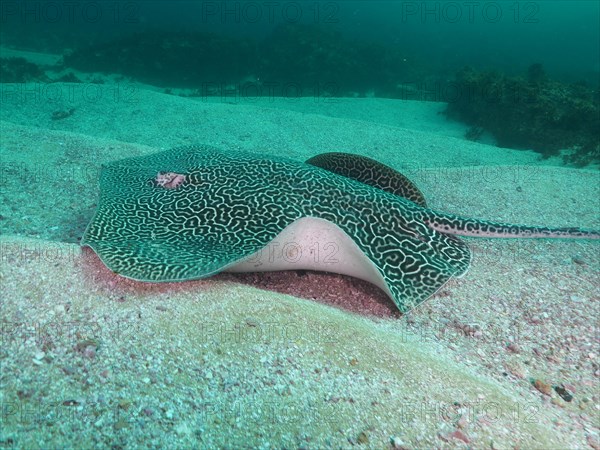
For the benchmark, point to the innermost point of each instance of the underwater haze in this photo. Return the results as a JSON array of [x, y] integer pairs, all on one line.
[[561, 35]]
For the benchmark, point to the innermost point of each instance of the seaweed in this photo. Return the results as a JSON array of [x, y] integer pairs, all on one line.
[[19, 70], [532, 112]]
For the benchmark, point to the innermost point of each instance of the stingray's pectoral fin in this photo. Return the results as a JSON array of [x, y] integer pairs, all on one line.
[[159, 261], [420, 266], [415, 288], [370, 172]]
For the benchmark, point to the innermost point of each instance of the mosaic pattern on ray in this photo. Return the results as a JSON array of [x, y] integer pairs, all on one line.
[[191, 212]]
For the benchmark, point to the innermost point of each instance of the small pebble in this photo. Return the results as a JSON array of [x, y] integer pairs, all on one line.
[[121, 424], [460, 436], [90, 352], [27, 393], [515, 348], [182, 429], [68, 370], [515, 368], [396, 443], [362, 438], [124, 404], [83, 345], [544, 388], [593, 442]]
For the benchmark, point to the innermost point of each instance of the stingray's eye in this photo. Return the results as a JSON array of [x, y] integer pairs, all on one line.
[[169, 180]]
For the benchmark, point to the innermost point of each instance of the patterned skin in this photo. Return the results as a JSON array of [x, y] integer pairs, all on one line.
[[371, 172], [191, 212]]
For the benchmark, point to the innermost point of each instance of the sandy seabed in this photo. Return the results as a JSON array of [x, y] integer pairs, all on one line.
[[505, 357]]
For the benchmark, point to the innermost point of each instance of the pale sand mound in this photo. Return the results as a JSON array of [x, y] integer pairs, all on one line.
[[89, 359], [414, 134]]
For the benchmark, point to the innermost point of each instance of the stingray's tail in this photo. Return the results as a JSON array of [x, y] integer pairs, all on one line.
[[461, 226]]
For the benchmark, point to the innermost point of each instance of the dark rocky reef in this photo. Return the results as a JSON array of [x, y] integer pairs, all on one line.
[[162, 58], [531, 112], [307, 56], [19, 70]]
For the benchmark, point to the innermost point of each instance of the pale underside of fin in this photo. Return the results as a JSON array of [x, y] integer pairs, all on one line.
[[311, 243]]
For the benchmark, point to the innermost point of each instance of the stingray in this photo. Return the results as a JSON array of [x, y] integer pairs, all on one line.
[[192, 212]]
